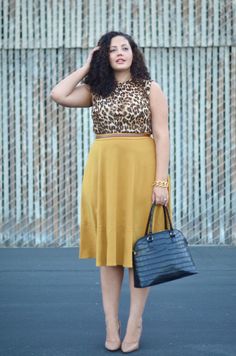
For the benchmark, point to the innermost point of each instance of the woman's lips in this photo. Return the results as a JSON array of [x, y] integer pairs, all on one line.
[[119, 61]]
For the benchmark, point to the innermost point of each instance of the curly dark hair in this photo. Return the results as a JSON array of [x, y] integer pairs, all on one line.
[[101, 77]]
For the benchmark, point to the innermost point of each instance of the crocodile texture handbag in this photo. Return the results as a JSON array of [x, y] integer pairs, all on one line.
[[162, 256]]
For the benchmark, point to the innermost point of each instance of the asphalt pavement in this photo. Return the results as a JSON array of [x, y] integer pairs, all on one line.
[[51, 305]]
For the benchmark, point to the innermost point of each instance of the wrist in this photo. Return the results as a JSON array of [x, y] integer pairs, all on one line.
[[158, 186], [86, 68], [161, 183], [165, 178]]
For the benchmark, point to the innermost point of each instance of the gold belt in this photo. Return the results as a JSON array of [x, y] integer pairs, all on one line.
[[122, 134]]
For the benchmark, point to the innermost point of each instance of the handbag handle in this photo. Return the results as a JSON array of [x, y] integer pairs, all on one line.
[[150, 218]]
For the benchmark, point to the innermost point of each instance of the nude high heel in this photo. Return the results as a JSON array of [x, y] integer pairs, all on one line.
[[134, 345], [111, 344]]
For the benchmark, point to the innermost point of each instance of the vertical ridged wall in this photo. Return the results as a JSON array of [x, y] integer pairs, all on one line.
[[190, 50]]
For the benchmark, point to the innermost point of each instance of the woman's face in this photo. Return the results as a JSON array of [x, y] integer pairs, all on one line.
[[120, 54]]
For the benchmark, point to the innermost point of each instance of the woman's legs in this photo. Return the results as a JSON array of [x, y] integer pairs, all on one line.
[[138, 298], [111, 281]]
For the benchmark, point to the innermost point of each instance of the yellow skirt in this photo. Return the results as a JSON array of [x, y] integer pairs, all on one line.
[[116, 197]]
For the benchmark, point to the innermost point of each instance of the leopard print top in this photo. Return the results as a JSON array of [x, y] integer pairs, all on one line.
[[126, 109]]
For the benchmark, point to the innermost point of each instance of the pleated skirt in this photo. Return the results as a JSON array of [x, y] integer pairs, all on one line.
[[116, 197]]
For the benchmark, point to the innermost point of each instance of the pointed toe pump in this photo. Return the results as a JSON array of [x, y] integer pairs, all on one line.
[[133, 345], [113, 344]]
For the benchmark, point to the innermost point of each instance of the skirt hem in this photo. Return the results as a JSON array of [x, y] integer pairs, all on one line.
[[101, 264]]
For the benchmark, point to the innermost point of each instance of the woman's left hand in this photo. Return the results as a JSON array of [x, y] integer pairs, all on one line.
[[160, 195]]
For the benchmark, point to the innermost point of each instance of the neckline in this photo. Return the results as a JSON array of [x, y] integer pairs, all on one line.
[[126, 81]]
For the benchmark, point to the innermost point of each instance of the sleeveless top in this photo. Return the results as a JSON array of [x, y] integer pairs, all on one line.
[[126, 109]]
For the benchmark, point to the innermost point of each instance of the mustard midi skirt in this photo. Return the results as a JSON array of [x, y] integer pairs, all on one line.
[[116, 197]]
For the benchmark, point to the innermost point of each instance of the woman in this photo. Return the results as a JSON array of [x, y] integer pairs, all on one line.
[[127, 160]]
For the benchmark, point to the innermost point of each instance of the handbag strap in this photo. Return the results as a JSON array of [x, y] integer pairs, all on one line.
[[166, 227], [150, 218]]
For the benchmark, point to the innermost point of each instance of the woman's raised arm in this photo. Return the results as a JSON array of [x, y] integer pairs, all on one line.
[[69, 92]]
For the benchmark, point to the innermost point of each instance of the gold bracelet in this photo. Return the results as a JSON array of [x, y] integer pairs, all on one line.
[[160, 183]]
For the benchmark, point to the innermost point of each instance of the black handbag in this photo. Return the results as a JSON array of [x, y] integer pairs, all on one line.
[[161, 256]]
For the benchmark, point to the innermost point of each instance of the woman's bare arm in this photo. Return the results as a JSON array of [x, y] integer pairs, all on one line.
[[159, 108], [70, 92]]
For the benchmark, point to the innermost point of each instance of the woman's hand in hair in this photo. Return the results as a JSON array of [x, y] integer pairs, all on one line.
[[89, 59]]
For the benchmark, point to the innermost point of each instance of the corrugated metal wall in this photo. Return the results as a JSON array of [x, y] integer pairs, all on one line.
[[190, 49]]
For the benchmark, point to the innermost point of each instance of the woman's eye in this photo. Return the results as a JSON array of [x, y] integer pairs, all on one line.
[[112, 50]]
